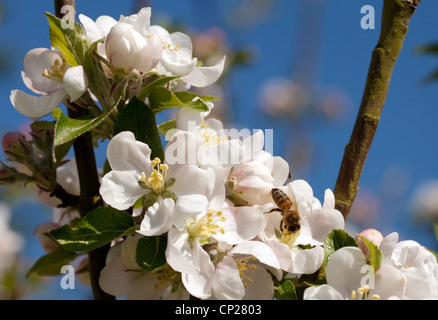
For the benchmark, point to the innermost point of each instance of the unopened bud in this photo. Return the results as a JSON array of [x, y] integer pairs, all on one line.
[[370, 234], [10, 139]]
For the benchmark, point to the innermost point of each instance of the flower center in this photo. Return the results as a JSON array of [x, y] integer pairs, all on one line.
[[165, 275], [57, 70], [209, 136], [170, 48], [242, 266], [156, 182], [208, 226], [363, 293], [289, 238]]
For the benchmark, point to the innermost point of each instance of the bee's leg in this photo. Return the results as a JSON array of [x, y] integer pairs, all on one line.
[[273, 210], [281, 226]]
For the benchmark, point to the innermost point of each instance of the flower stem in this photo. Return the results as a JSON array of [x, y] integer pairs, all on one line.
[[88, 181], [395, 19]]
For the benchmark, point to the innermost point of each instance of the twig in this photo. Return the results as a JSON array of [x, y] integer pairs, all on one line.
[[88, 181], [395, 19]]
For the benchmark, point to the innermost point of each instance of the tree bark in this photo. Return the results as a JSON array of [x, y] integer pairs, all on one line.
[[89, 198], [394, 27]]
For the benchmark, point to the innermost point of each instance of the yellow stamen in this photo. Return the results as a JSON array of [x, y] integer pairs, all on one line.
[[57, 70]]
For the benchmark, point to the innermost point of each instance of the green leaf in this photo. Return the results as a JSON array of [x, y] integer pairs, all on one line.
[[335, 240], [69, 38], [43, 125], [285, 291], [98, 82], [138, 118], [51, 263], [151, 252], [68, 129], [186, 96], [99, 227], [145, 92], [161, 99], [166, 126], [61, 151], [375, 255]]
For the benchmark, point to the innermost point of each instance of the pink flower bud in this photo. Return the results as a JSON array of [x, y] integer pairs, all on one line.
[[46, 241], [372, 235], [10, 139]]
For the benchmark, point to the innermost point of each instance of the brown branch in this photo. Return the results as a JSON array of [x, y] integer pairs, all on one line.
[[88, 181], [395, 19]]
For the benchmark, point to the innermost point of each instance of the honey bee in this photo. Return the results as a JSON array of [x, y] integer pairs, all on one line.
[[289, 210]]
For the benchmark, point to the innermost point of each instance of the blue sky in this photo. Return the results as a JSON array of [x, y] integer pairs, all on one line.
[[404, 152]]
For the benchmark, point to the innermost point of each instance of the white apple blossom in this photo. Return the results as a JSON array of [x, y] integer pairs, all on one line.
[[259, 172], [243, 273], [123, 276], [205, 144], [316, 222], [178, 60], [191, 233], [416, 263], [134, 175], [346, 279], [46, 72], [147, 45]]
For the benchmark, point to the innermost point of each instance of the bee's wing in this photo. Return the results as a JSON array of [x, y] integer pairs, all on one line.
[[293, 200]]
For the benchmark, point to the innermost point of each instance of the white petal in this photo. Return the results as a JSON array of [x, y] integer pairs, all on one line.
[[200, 180], [178, 62], [125, 153], [143, 288], [35, 62], [227, 284], [99, 29], [329, 200], [67, 177], [199, 285], [35, 107], [75, 82], [283, 254], [140, 21], [179, 252], [205, 76], [258, 249], [389, 282], [157, 219], [343, 270], [316, 227], [188, 206], [323, 292], [129, 251], [308, 261], [259, 284], [243, 223], [279, 169], [120, 189], [115, 280]]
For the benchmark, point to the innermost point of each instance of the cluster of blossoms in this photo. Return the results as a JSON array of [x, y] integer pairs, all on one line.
[[221, 243], [196, 218], [130, 46], [406, 271]]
